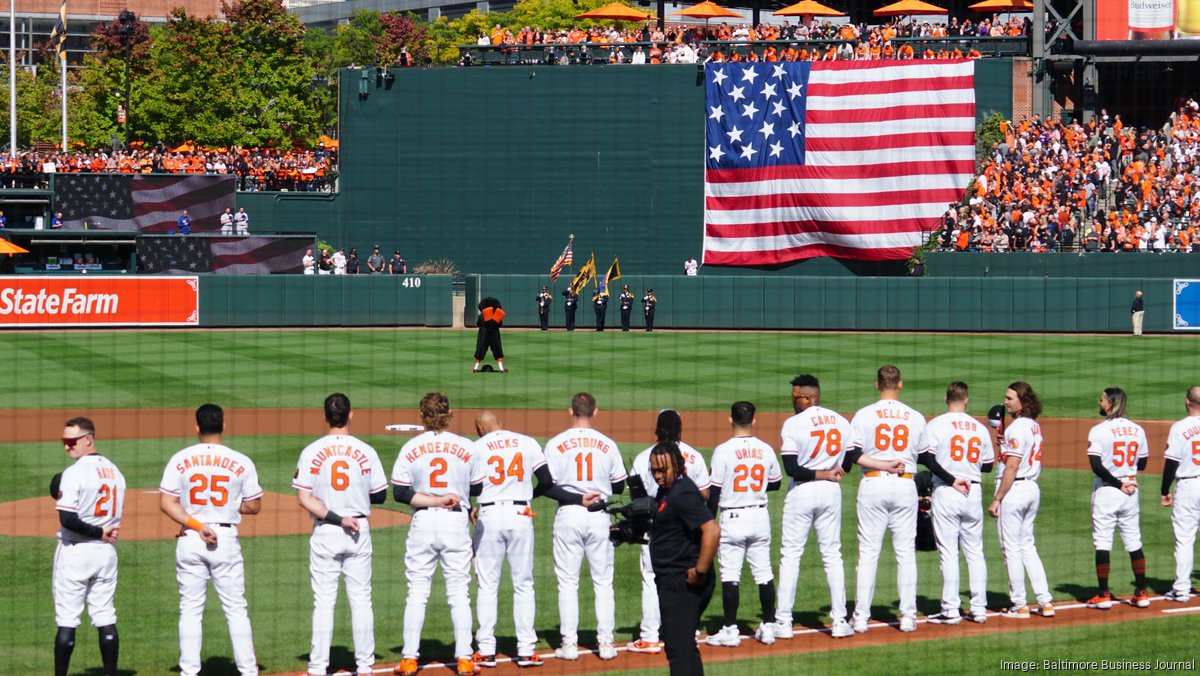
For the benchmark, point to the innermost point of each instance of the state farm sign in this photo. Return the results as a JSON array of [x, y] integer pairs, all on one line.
[[99, 301]]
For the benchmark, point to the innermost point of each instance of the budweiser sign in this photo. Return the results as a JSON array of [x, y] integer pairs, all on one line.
[[99, 301]]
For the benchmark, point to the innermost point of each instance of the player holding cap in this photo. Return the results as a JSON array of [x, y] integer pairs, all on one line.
[[90, 497], [744, 468], [433, 474], [1183, 465], [1117, 450], [337, 479]]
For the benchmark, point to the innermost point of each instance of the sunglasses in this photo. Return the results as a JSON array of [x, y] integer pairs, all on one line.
[[70, 442]]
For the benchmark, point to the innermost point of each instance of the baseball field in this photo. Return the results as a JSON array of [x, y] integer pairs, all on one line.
[[141, 388]]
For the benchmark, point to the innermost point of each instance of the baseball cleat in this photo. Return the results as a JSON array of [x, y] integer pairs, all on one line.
[[1141, 598], [1046, 610], [476, 369], [408, 667], [859, 625], [978, 618], [607, 651], [783, 630], [1021, 613], [908, 624], [765, 634], [530, 661], [841, 629], [943, 618], [640, 646], [484, 660], [466, 666], [1101, 601], [728, 637], [1177, 597], [568, 651]]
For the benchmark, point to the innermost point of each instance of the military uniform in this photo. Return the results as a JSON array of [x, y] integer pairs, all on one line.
[[648, 303], [600, 304], [543, 300], [626, 307], [571, 304]]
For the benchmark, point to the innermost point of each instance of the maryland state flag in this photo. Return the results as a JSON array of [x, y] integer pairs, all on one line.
[[58, 36], [613, 274], [586, 274]]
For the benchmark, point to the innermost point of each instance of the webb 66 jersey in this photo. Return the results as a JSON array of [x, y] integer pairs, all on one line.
[[742, 467], [818, 437], [1023, 439], [1183, 446], [1119, 443], [961, 443], [693, 464], [436, 463], [93, 488], [211, 482], [889, 430], [341, 471], [506, 464], [584, 460]]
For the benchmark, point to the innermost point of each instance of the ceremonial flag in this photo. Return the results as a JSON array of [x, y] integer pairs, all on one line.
[[565, 258], [613, 274], [58, 35], [586, 274], [849, 159]]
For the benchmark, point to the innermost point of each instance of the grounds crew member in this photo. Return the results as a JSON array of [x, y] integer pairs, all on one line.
[[490, 318], [543, 301], [626, 299]]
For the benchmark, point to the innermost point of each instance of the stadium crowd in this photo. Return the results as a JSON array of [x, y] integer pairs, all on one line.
[[256, 169], [1103, 186]]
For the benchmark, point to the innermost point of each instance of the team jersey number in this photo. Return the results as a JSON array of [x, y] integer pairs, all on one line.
[[515, 469], [583, 467], [439, 467], [339, 480], [749, 478], [1035, 453], [968, 450], [828, 440], [209, 490], [1125, 453], [106, 503], [891, 438], [1196, 452]]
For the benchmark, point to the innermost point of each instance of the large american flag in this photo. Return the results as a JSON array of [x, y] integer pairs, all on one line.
[[149, 203], [221, 255], [849, 159]]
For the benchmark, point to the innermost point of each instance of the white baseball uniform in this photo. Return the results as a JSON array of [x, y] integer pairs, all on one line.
[[697, 470], [309, 263], [584, 460], [961, 445], [339, 263], [1119, 443], [241, 221], [1022, 439], [341, 471], [1183, 446], [437, 463], [504, 530], [211, 482], [742, 467], [85, 569], [227, 223], [888, 431], [818, 437]]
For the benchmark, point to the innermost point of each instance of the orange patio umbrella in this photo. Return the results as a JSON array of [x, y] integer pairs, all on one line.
[[1003, 6], [707, 10], [908, 8], [7, 247], [614, 12], [808, 8]]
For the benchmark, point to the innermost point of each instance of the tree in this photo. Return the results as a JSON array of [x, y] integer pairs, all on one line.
[[355, 41], [445, 36], [402, 33]]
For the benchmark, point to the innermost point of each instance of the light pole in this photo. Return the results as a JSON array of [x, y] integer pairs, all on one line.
[[128, 21]]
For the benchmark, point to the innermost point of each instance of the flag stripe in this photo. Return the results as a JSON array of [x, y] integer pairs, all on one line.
[[778, 256], [931, 210], [932, 140], [809, 225], [888, 113], [964, 168], [833, 186], [798, 239], [801, 200]]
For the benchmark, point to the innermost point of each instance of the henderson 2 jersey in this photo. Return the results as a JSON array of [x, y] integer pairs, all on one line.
[[1119, 443], [341, 471], [961, 444], [93, 488], [436, 463], [742, 467], [583, 460], [507, 461], [211, 482]]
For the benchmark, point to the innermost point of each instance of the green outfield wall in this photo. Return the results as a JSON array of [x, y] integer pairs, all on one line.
[[1084, 305], [324, 301]]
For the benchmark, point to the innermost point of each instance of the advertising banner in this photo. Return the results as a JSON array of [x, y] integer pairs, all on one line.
[[1147, 19], [79, 301]]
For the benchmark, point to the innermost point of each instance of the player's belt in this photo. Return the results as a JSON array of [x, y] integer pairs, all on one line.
[[1022, 478], [522, 503], [225, 525], [875, 474], [439, 509], [1187, 478], [730, 509]]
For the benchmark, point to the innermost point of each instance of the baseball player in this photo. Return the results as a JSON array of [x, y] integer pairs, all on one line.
[[508, 463], [1183, 465], [89, 496], [337, 479], [582, 460], [1017, 498], [958, 450], [1117, 450], [206, 488], [433, 474], [813, 450], [744, 468], [890, 432], [241, 222], [227, 222], [669, 427]]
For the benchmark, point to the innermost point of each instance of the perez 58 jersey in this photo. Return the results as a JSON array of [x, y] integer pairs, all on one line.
[[1119, 443]]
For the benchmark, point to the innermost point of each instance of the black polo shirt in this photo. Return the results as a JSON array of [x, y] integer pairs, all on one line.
[[675, 538]]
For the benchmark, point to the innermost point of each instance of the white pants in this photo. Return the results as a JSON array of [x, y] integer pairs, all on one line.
[[745, 536], [1185, 517], [84, 571], [1112, 508], [438, 536], [195, 564], [226, 230], [504, 532], [887, 503], [958, 521], [309, 271], [243, 229], [579, 533], [1017, 514], [333, 553], [1137, 322], [651, 615], [812, 505]]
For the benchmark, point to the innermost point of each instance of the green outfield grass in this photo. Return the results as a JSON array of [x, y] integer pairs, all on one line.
[[684, 370], [281, 603]]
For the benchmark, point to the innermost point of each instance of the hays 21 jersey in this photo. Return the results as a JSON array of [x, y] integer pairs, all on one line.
[[583, 460], [742, 467], [211, 482], [93, 488], [1183, 446], [341, 471], [436, 463], [1023, 439], [889, 430], [1119, 443], [693, 465], [961, 444], [506, 464]]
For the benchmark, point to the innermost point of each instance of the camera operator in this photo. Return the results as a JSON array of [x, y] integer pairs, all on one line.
[[683, 542]]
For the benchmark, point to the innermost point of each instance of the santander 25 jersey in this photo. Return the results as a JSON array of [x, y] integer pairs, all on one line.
[[341, 471], [584, 460], [93, 488], [961, 445], [1183, 446], [889, 430], [1119, 443], [506, 464], [211, 482], [1023, 439], [436, 463], [818, 437], [693, 464], [742, 467]]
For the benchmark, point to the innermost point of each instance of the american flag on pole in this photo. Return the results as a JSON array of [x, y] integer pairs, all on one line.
[[849, 159], [564, 259], [146, 203]]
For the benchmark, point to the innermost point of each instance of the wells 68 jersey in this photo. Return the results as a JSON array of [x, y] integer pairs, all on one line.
[[585, 460], [742, 467], [961, 444], [889, 430], [1119, 443], [94, 489], [506, 464], [436, 463], [341, 471]]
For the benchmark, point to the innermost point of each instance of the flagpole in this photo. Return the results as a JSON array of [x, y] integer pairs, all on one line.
[[12, 78], [63, 64]]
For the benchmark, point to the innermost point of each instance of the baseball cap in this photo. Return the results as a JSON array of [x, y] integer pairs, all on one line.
[[995, 415]]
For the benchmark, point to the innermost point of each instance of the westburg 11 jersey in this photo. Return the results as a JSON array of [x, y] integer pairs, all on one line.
[[584, 460], [93, 488], [889, 430], [961, 444], [341, 471], [1119, 443], [436, 463], [211, 482], [506, 464], [742, 467]]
